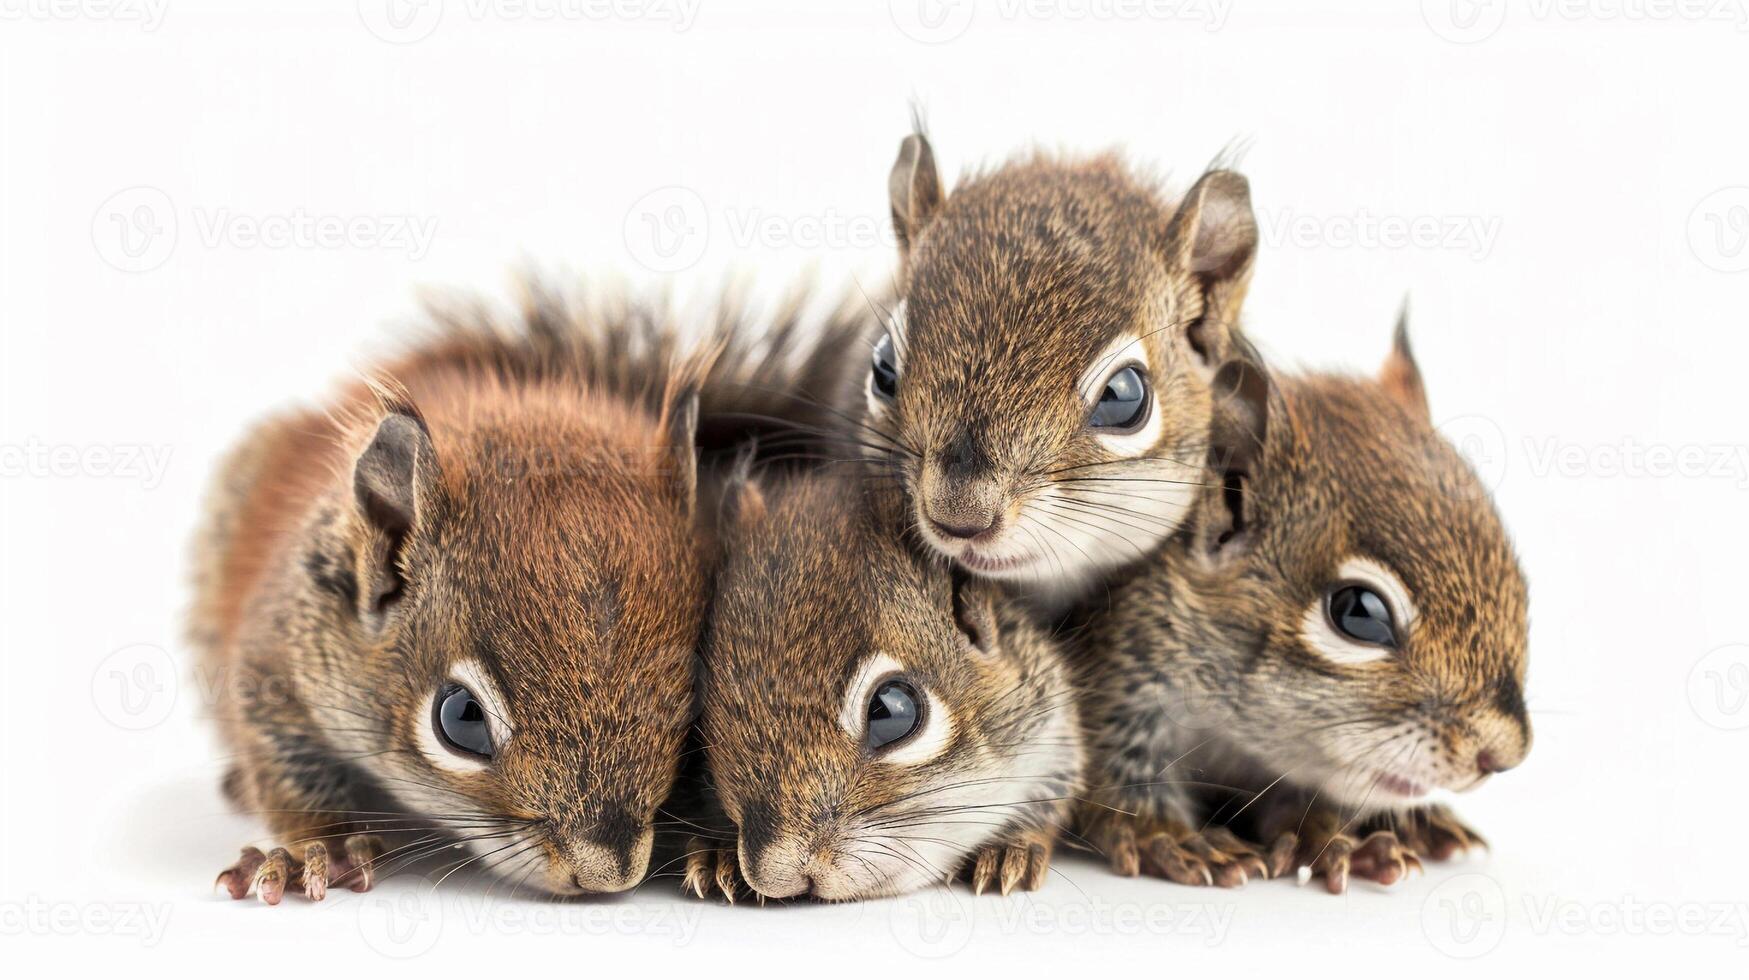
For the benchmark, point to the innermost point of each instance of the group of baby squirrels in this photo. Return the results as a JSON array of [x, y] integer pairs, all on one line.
[[1032, 548]]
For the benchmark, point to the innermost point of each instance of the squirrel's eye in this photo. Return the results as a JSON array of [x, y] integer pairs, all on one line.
[[895, 712], [460, 721], [885, 376], [1361, 614], [1123, 405]]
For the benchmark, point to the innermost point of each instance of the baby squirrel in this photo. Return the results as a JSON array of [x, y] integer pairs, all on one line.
[[1042, 385], [459, 604], [875, 719], [1342, 633]]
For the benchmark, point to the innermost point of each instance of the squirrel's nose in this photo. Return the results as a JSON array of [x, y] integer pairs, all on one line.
[[1489, 764], [967, 530]]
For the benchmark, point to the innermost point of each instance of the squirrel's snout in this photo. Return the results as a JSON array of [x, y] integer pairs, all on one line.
[[606, 862], [959, 508]]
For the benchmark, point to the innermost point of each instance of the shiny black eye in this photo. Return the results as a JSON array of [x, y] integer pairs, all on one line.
[[460, 721], [885, 377], [1362, 614], [894, 713], [1123, 405]]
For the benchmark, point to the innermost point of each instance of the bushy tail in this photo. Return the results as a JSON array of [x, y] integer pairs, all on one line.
[[771, 380]]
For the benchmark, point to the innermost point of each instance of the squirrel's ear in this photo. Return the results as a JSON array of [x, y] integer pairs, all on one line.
[[1238, 438], [393, 482], [974, 612], [913, 189], [1213, 239], [1400, 378], [742, 501], [680, 422]]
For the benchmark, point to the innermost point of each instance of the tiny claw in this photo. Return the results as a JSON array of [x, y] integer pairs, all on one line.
[[984, 870], [1125, 859], [1281, 855], [1336, 878], [240, 876], [315, 872], [1014, 865], [362, 851]]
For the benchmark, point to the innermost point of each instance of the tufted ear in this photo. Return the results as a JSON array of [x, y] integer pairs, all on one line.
[[394, 484], [1238, 441], [680, 423], [1399, 376], [913, 189], [1213, 239]]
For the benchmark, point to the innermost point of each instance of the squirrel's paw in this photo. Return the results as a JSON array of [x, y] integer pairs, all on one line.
[[1381, 858], [1438, 834], [270, 874], [712, 869], [1212, 856], [1009, 864]]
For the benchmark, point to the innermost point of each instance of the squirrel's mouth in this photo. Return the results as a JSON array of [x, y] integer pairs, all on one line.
[[1398, 785], [986, 565]]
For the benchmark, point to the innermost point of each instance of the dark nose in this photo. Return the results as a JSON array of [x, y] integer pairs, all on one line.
[[1488, 764], [964, 531], [618, 831]]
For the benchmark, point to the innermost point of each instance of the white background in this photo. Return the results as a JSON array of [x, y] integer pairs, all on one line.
[[1581, 172]]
